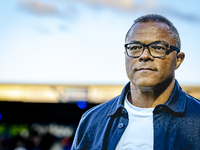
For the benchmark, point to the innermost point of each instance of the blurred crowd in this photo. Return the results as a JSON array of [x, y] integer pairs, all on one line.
[[35, 140]]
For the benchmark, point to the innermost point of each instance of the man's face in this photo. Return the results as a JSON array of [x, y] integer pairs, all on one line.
[[147, 71]]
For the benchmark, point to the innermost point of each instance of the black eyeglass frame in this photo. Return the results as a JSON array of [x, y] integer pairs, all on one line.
[[171, 48]]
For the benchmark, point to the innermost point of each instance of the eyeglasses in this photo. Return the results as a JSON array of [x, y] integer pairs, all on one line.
[[156, 49]]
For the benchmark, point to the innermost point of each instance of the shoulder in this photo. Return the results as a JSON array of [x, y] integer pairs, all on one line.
[[108, 107], [192, 100], [93, 125], [94, 120], [101, 109], [192, 104]]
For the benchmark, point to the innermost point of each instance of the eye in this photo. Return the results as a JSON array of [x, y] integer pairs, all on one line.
[[134, 47], [159, 47]]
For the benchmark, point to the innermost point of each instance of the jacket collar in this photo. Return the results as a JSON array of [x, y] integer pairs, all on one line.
[[177, 101], [175, 104], [118, 104]]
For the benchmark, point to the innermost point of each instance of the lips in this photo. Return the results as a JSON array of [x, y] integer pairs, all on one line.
[[146, 69]]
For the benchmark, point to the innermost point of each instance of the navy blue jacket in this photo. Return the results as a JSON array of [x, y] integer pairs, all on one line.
[[176, 124]]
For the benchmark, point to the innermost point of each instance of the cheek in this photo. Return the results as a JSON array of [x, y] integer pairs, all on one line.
[[168, 66], [129, 64]]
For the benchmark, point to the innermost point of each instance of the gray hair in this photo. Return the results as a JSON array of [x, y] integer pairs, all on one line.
[[157, 18]]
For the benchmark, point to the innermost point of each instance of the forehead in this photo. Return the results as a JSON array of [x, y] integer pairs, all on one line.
[[151, 32]]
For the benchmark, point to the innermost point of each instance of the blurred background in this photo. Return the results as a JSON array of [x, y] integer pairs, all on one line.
[[58, 58]]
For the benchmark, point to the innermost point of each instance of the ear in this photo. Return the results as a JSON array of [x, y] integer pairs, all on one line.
[[180, 57]]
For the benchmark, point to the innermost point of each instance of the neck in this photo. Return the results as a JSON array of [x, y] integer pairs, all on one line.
[[150, 97]]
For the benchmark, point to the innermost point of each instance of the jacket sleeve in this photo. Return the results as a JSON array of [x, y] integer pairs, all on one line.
[[79, 133], [74, 144], [81, 130]]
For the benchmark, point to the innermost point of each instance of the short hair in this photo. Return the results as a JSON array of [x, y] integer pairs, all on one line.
[[157, 18]]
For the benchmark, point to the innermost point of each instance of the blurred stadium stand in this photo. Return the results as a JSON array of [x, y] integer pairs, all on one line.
[[45, 117]]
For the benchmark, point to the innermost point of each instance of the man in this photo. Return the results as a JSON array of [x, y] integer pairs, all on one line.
[[152, 111]]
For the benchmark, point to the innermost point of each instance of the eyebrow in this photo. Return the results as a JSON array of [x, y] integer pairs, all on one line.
[[138, 42]]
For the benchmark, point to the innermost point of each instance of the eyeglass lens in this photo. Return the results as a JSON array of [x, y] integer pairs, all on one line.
[[157, 50]]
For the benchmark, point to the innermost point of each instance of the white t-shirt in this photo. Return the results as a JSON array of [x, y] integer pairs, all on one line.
[[139, 132]]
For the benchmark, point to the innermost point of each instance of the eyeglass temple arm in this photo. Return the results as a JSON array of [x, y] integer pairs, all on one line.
[[174, 48]]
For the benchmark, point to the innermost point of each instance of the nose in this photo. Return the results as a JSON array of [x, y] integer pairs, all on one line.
[[146, 56]]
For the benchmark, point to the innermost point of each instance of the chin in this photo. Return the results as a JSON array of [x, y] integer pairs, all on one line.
[[145, 83]]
